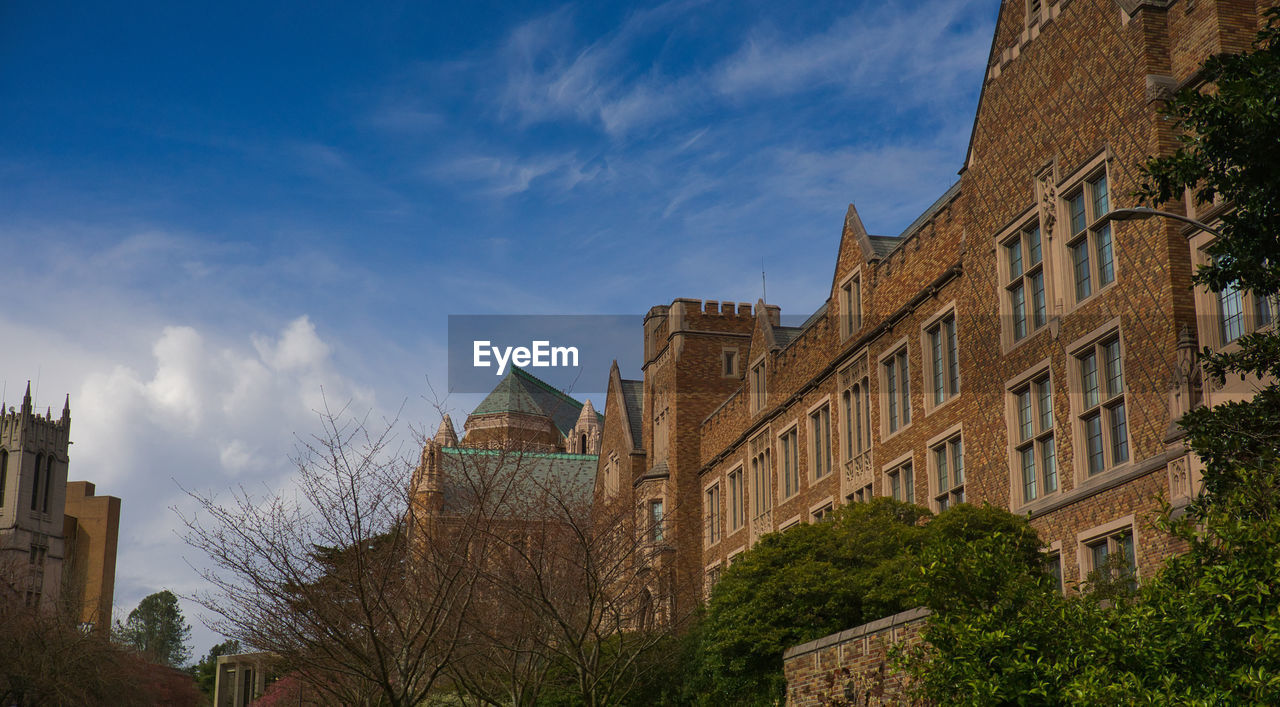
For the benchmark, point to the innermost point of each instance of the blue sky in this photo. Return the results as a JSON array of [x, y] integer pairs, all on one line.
[[209, 214]]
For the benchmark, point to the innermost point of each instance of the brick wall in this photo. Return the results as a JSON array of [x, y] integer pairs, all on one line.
[[853, 667]]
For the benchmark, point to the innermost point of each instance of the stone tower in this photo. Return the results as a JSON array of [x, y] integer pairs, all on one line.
[[585, 437], [33, 482]]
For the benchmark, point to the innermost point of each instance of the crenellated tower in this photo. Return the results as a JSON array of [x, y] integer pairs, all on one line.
[[33, 484]]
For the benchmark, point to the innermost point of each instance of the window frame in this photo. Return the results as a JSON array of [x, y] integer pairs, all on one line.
[[1024, 278], [711, 499], [1210, 303], [1094, 223], [895, 470], [792, 432], [849, 304], [948, 442], [820, 510], [761, 480], [1038, 377], [656, 521], [737, 498], [730, 362], [1103, 408], [950, 378], [1087, 540], [758, 382], [816, 436], [892, 398]]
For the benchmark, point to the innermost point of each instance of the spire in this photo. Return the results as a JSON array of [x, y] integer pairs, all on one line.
[[445, 435], [66, 409], [26, 400], [588, 416]]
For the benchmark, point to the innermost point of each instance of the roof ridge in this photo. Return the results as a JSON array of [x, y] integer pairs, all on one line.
[[482, 451], [546, 386]]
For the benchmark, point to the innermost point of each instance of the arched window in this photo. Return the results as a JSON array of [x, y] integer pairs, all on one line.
[[48, 482], [4, 474], [583, 448], [35, 483]]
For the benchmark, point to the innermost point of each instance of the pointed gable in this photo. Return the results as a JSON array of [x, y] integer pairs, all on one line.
[[521, 392]]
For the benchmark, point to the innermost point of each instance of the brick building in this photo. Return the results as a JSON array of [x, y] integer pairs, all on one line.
[[523, 427], [1012, 346]]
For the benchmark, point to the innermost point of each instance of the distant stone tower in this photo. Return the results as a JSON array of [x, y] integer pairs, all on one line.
[[33, 483], [585, 437], [428, 479]]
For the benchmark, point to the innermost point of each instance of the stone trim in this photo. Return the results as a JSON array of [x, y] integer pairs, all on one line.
[[897, 620]]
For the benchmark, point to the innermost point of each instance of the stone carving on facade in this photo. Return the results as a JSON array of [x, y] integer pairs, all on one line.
[[1160, 88], [1179, 478], [1185, 388], [1048, 203]]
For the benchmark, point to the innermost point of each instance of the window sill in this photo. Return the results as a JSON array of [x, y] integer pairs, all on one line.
[[930, 409], [890, 435]]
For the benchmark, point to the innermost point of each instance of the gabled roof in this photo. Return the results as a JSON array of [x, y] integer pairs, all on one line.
[[522, 392], [573, 472], [883, 245], [784, 335], [633, 400]]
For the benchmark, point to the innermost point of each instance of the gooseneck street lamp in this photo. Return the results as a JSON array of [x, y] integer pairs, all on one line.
[[1143, 212]]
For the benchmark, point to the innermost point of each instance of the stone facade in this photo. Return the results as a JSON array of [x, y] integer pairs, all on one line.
[[57, 541], [1046, 349], [853, 667]]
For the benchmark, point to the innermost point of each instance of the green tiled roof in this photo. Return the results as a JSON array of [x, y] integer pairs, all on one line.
[[576, 471], [521, 392]]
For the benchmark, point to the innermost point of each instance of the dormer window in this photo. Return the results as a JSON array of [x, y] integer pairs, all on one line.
[[850, 303], [757, 387]]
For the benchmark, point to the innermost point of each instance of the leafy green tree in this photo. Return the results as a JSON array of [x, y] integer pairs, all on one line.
[[794, 586], [206, 671], [157, 630]]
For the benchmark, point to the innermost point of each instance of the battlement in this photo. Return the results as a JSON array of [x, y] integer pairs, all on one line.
[[22, 426]]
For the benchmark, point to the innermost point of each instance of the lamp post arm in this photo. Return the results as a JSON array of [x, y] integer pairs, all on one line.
[[1143, 212]]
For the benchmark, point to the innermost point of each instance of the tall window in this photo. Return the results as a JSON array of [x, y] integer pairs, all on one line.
[[902, 483], [729, 362], [1103, 422], [850, 306], [656, 529], [757, 387], [1024, 281], [761, 477], [1115, 553], [790, 463], [48, 482], [737, 499], [1053, 563], [1034, 450], [712, 514], [35, 482], [948, 471], [820, 433], [1242, 312], [4, 475], [897, 379], [944, 359], [856, 402], [1089, 244]]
